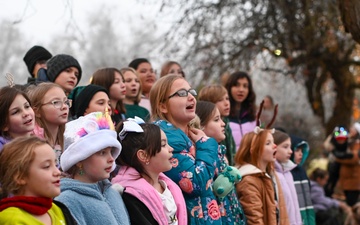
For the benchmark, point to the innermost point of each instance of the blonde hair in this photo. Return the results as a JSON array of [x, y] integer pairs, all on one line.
[[251, 148], [129, 69], [159, 94], [15, 161], [212, 93], [36, 96]]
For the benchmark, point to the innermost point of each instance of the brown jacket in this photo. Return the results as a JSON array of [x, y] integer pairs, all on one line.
[[257, 196], [349, 177]]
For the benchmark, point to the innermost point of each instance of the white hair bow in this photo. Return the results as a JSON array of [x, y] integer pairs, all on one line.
[[131, 125]]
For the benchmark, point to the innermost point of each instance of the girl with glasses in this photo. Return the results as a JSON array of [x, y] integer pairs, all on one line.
[[17, 117], [195, 155], [51, 107]]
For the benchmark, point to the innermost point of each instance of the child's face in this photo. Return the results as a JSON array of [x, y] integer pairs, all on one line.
[[215, 128], [49, 113], [269, 152], [179, 110], [132, 84], [161, 162], [97, 167], [21, 118], [43, 179], [68, 79], [322, 181], [298, 154], [99, 102], [224, 105], [241, 90], [175, 69], [147, 76], [117, 89], [283, 151]]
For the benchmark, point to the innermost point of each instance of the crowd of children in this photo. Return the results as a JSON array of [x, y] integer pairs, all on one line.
[[133, 149]]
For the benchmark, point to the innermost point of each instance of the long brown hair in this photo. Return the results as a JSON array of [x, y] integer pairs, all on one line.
[[105, 77], [7, 96], [251, 148], [249, 103]]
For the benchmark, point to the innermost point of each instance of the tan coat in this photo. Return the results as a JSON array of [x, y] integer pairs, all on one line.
[[257, 197], [350, 170]]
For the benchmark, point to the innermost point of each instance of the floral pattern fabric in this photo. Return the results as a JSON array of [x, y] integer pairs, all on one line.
[[230, 207], [194, 170]]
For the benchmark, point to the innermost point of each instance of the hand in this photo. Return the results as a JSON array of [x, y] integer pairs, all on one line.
[[196, 134], [344, 207]]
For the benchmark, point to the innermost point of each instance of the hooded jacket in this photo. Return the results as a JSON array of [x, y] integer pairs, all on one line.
[[302, 182], [138, 187], [93, 203], [288, 187], [194, 170], [256, 193]]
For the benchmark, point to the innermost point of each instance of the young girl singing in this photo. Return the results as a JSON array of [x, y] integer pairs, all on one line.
[[51, 107], [17, 117], [259, 192], [28, 174], [195, 155], [150, 196], [91, 148], [213, 126]]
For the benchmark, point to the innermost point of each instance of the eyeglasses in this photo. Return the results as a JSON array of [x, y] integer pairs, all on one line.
[[58, 103], [184, 93]]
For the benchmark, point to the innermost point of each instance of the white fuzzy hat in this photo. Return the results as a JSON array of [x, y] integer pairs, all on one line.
[[87, 135]]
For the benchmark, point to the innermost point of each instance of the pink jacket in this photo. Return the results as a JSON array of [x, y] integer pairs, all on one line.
[[137, 186]]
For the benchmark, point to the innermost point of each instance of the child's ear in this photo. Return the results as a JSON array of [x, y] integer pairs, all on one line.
[[142, 156], [20, 181], [6, 128], [163, 108]]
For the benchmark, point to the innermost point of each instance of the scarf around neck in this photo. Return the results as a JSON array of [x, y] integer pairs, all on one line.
[[32, 205]]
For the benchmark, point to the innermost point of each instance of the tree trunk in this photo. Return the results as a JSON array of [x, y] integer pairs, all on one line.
[[344, 98]]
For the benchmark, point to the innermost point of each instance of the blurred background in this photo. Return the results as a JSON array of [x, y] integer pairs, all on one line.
[[298, 52]]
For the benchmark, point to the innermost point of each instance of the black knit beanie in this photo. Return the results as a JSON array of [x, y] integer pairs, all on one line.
[[84, 97], [136, 62], [59, 63], [35, 54]]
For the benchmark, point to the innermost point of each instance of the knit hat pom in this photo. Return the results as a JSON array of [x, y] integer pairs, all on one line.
[[87, 135]]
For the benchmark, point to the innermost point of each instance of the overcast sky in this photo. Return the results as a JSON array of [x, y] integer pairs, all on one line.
[[41, 19]]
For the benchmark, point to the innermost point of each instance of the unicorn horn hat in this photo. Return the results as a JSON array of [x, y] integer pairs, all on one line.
[[87, 135]]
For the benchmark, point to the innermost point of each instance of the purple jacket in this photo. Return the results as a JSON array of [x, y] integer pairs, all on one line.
[[239, 130], [289, 191], [137, 186], [3, 141], [320, 201]]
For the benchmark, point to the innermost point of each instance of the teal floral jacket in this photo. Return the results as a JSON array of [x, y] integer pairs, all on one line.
[[230, 207], [193, 170]]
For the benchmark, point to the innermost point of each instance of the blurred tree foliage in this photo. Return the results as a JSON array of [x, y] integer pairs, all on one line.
[[223, 35]]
